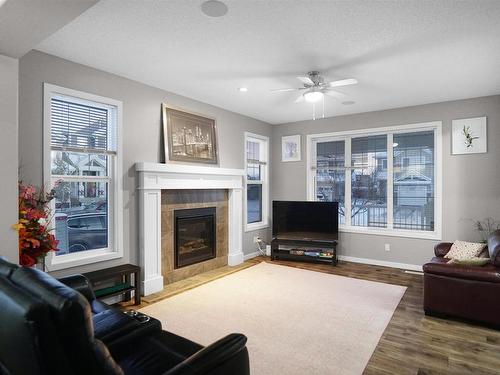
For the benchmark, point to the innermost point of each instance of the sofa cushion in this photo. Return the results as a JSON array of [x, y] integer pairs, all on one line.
[[79, 283], [28, 344], [98, 306], [438, 266], [156, 354], [72, 317], [476, 261], [71, 310], [465, 250], [111, 324]]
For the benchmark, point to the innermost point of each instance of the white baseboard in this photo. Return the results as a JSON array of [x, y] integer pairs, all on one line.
[[235, 259], [152, 285], [374, 262], [251, 255]]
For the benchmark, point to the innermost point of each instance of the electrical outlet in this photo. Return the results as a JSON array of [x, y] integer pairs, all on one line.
[[256, 239], [387, 247]]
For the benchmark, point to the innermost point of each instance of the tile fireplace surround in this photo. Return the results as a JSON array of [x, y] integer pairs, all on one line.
[[179, 202], [152, 179]]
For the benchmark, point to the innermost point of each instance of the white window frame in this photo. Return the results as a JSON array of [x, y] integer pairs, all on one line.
[[264, 181], [115, 199], [436, 126]]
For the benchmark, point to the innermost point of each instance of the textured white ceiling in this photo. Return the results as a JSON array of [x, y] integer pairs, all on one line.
[[25, 23], [402, 52]]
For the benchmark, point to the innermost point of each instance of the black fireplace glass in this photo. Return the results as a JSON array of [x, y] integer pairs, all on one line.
[[194, 235]]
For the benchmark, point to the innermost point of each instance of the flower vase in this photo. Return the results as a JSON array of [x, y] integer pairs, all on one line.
[[41, 265]]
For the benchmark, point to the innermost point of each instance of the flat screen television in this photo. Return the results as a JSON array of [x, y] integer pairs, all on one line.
[[305, 220]]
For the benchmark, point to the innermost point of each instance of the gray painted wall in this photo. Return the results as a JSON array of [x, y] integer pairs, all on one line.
[[142, 135], [8, 156], [471, 183], [469, 188]]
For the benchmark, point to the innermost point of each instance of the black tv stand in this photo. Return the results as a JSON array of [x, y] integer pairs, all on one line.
[[302, 247]]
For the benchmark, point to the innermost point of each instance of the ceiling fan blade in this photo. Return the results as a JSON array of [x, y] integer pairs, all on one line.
[[343, 82], [283, 90], [335, 94], [306, 80], [300, 99]]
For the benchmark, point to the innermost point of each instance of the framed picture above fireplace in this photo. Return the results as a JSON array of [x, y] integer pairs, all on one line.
[[188, 136]]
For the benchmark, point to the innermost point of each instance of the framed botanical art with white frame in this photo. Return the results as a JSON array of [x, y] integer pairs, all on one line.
[[189, 137], [469, 136], [290, 148]]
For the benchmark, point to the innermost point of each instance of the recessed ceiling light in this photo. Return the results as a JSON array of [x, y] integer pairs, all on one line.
[[242, 89], [348, 102], [214, 8]]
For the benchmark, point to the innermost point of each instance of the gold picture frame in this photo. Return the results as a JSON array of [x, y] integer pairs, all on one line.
[[189, 137]]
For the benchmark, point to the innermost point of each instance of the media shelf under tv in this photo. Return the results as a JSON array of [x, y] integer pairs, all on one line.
[[301, 246]]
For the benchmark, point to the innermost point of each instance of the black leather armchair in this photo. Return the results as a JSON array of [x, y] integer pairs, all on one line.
[[46, 327], [111, 325]]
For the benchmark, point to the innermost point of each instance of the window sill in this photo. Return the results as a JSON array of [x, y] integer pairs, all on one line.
[[256, 226], [55, 263], [392, 232]]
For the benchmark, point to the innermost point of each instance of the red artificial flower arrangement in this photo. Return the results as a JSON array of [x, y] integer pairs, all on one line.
[[35, 239]]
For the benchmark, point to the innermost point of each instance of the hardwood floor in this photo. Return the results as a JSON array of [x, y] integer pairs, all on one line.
[[412, 342]]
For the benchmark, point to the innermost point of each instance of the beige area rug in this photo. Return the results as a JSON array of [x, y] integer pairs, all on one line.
[[297, 321]]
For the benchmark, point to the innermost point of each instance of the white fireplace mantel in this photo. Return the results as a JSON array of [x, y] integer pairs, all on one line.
[[152, 179]]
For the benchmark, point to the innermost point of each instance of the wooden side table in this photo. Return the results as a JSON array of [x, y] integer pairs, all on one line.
[[125, 287]]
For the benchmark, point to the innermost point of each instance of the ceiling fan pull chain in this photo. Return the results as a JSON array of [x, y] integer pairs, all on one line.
[[314, 111], [323, 106]]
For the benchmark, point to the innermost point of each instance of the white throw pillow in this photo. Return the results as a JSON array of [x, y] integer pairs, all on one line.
[[465, 250]]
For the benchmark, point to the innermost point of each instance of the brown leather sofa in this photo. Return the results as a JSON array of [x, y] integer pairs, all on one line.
[[466, 292]]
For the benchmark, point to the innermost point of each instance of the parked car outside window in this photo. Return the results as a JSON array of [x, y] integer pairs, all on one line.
[[87, 231]]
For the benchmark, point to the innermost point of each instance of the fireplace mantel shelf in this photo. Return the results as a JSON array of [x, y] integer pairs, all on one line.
[[155, 177], [179, 176], [186, 169]]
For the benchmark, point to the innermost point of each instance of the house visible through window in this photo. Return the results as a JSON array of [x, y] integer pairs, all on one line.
[[368, 183], [330, 174], [256, 153], [353, 169], [83, 170], [414, 185]]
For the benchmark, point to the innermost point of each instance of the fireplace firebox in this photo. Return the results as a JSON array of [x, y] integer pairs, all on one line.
[[194, 235]]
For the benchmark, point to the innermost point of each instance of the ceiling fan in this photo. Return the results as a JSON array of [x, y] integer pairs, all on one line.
[[315, 87]]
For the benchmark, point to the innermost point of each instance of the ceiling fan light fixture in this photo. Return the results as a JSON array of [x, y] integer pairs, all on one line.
[[313, 96]]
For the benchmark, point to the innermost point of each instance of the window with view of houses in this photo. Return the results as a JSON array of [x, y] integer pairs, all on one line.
[[382, 181], [83, 158], [369, 181], [256, 156], [414, 187]]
